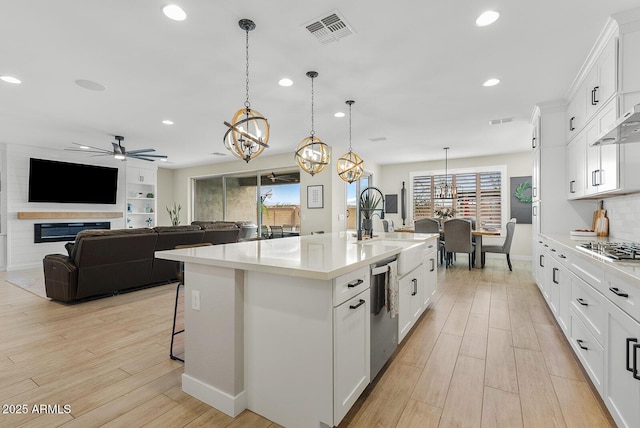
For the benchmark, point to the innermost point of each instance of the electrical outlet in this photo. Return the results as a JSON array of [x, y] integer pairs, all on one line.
[[195, 300]]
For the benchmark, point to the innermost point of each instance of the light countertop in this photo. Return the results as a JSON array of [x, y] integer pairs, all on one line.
[[323, 256], [626, 270]]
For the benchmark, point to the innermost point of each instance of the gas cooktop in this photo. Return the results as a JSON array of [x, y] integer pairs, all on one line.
[[613, 250]]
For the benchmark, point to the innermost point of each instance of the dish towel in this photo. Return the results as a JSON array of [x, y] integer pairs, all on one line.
[[391, 300]]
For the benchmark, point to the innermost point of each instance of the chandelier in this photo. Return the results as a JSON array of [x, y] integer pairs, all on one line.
[[350, 166], [248, 131], [446, 190], [312, 154]]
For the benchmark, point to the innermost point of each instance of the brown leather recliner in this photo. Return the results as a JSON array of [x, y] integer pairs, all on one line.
[[101, 262]]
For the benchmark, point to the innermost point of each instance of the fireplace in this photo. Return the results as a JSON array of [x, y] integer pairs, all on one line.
[[56, 232]]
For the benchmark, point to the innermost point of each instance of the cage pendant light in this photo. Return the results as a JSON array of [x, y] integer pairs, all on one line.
[[350, 166], [248, 131], [312, 154], [446, 190]]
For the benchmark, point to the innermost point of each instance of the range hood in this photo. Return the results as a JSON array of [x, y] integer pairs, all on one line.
[[624, 130]]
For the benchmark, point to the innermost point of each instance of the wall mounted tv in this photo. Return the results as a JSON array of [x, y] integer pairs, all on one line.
[[53, 181]]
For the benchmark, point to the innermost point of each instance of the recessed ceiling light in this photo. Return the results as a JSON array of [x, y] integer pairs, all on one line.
[[487, 18], [90, 85], [10, 79], [285, 82], [167, 122], [174, 12], [491, 82], [339, 114]]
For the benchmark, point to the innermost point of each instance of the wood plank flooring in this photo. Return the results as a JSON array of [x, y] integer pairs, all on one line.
[[487, 353]]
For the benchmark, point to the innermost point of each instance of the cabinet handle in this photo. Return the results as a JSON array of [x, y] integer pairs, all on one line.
[[541, 257], [635, 358], [534, 211], [580, 344], [534, 192], [562, 256], [553, 250], [571, 127], [572, 186], [433, 265], [415, 286], [546, 245], [533, 143], [582, 302], [554, 276], [594, 101], [617, 292], [593, 178], [360, 303], [355, 283], [629, 340]]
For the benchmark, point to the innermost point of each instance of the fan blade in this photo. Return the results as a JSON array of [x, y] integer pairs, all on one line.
[[133, 155], [104, 152], [140, 151], [91, 147]]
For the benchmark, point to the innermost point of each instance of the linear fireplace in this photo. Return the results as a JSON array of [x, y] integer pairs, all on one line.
[[56, 232]]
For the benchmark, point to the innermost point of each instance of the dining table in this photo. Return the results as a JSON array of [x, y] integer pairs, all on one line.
[[477, 234]]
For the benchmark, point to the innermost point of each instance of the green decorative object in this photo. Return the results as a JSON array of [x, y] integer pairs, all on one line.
[[174, 214], [149, 195], [520, 192]]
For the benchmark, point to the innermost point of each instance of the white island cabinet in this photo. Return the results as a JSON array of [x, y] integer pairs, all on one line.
[[281, 326]]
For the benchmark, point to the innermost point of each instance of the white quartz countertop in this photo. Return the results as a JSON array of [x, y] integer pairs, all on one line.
[[323, 256], [627, 270]]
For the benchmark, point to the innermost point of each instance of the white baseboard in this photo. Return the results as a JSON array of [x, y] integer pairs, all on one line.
[[220, 400]]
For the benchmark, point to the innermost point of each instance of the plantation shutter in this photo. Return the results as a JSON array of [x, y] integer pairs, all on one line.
[[422, 191], [490, 208], [466, 202]]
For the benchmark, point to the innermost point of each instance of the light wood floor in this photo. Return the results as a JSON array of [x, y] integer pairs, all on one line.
[[486, 353]]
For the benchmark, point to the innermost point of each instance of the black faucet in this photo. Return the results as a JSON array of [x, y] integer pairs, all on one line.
[[372, 211]]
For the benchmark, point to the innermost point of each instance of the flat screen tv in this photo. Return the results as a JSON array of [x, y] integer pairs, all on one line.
[[53, 181]]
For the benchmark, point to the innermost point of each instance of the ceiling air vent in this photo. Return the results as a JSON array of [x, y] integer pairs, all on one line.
[[500, 121], [329, 27]]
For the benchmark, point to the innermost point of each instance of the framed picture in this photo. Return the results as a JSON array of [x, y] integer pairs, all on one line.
[[315, 196]]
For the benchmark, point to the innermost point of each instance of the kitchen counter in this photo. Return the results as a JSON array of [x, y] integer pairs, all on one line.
[[626, 270], [323, 256], [281, 326]]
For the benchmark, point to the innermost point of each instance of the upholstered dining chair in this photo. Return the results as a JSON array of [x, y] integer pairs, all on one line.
[[264, 231], [457, 239], [505, 248], [427, 225], [277, 232]]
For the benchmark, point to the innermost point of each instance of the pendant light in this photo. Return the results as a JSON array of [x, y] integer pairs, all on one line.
[[350, 166], [248, 131], [446, 190], [312, 154]]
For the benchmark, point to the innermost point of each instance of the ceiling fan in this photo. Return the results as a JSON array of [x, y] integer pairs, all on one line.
[[119, 151], [291, 177]]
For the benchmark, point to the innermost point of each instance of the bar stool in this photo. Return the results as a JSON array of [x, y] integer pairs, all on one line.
[[180, 275]]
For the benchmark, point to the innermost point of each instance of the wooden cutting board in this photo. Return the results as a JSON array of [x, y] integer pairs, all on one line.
[[600, 221]]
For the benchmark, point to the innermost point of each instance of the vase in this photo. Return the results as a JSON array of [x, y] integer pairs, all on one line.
[[367, 226]]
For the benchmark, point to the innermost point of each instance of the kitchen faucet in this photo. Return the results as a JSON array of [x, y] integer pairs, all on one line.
[[372, 211]]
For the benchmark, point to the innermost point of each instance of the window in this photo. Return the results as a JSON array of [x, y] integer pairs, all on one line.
[[479, 194]]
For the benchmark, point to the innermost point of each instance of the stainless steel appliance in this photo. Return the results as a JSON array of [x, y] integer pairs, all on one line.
[[384, 329], [612, 250]]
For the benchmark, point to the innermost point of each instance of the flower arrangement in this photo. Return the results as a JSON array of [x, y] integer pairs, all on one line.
[[444, 212]]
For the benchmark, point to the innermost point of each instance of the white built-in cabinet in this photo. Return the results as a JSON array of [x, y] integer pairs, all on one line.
[[415, 290], [599, 313], [141, 197]]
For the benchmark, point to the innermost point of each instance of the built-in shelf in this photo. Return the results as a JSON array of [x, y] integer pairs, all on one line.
[[28, 215]]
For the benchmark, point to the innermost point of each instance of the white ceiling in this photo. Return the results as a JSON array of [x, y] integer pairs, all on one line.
[[414, 68]]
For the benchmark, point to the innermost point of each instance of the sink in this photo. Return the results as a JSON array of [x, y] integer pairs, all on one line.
[[410, 257]]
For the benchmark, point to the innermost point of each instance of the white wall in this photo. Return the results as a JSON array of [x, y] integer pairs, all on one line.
[[517, 164], [165, 197], [22, 252]]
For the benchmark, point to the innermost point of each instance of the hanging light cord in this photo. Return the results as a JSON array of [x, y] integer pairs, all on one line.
[[350, 127], [312, 131], [247, 104]]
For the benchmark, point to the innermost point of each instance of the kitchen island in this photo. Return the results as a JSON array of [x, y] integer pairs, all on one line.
[[281, 326]]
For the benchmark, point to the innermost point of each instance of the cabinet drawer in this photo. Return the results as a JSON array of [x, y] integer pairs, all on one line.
[[589, 351], [588, 271], [623, 294], [348, 285], [590, 304]]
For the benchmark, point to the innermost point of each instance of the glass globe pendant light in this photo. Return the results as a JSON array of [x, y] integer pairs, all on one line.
[[312, 154], [350, 166], [446, 190], [248, 131]]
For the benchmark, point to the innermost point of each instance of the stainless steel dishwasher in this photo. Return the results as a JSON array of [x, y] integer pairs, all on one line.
[[384, 329]]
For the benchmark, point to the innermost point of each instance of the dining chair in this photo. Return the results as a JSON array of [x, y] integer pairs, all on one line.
[[264, 231], [470, 220], [457, 239], [505, 248], [427, 225], [277, 232], [387, 225], [287, 227]]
